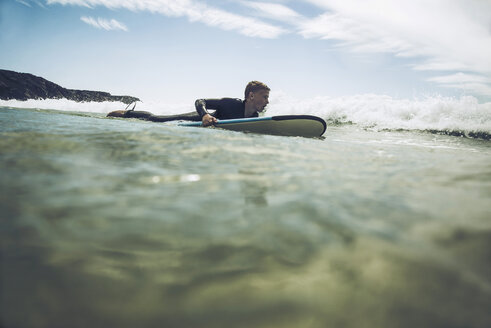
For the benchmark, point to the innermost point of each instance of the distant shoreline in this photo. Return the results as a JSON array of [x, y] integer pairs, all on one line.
[[25, 86]]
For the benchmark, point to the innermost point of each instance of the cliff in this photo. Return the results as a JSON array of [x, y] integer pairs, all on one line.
[[24, 86]]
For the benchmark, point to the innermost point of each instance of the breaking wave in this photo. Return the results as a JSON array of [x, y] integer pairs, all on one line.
[[65, 105], [455, 116]]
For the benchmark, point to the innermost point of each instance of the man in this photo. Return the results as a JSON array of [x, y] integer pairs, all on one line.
[[256, 97]]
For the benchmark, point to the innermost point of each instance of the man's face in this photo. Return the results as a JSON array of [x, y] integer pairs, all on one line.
[[260, 99]]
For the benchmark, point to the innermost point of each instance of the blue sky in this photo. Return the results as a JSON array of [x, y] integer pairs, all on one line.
[[180, 50]]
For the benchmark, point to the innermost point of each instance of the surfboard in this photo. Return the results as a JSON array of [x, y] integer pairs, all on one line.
[[282, 125]]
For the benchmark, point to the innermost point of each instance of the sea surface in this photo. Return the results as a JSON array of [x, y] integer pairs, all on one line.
[[110, 222]]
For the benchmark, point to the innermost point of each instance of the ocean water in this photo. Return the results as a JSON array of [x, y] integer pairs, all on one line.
[[385, 222]]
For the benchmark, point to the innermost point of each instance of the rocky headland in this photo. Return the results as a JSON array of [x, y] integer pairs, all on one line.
[[24, 86]]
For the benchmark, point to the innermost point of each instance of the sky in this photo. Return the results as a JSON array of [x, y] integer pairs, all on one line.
[[180, 50]]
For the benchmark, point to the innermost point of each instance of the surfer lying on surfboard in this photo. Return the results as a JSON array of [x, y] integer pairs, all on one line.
[[256, 97]]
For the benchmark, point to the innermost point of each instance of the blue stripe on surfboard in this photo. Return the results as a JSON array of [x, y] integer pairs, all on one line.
[[237, 120]]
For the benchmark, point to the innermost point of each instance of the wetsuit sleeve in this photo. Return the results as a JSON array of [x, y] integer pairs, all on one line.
[[202, 106]]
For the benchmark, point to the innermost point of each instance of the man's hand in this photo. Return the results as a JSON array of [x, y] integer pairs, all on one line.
[[208, 120]]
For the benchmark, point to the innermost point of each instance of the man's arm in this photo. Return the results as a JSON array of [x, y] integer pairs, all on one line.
[[206, 118]]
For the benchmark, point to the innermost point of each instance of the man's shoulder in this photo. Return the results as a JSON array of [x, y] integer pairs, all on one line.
[[236, 100], [221, 101], [230, 103]]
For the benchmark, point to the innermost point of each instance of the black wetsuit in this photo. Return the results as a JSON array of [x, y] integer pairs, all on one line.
[[142, 115], [225, 108]]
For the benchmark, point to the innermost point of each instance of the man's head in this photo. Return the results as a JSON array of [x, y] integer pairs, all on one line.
[[257, 94]]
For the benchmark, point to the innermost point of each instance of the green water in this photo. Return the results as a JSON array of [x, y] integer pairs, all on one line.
[[125, 223]]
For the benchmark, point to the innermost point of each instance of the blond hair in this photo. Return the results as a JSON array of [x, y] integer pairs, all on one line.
[[254, 86]]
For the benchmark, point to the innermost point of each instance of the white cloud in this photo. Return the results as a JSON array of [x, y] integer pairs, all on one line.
[[445, 34], [244, 25], [28, 3], [349, 32], [461, 78], [468, 82], [477, 88], [24, 3], [274, 11], [195, 11], [439, 66], [101, 23], [439, 35], [443, 29]]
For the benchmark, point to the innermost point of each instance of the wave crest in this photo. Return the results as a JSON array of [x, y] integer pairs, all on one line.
[[456, 116], [463, 116]]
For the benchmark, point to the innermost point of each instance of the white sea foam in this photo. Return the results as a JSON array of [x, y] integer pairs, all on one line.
[[65, 105], [154, 106], [463, 115]]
